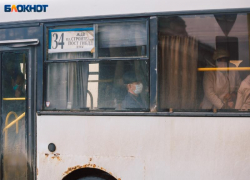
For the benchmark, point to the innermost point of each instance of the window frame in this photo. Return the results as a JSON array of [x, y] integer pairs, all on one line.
[[30, 108], [153, 73], [95, 24], [202, 112], [95, 58]]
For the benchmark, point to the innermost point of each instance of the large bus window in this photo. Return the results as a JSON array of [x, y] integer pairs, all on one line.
[[71, 42], [127, 39], [204, 62], [104, 86]]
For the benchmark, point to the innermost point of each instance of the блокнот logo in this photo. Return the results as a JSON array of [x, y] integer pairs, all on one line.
[[25, 8]]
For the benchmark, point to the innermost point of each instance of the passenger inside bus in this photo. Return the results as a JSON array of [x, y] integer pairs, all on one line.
[[18, 85], [8, 76], [243, 96], [134, 87], [220, 87], [186, 49]]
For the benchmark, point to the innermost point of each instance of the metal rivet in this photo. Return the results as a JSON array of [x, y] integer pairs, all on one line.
[[52, 147]]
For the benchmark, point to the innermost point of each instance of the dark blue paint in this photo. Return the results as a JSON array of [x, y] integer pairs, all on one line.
[[74, 29]]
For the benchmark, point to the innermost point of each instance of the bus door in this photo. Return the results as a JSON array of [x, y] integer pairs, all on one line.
[[16, 120]]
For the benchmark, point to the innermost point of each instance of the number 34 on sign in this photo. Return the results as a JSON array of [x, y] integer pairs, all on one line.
[[71, 40]]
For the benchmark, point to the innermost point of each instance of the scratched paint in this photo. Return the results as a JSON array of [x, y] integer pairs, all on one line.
[[146, 148]]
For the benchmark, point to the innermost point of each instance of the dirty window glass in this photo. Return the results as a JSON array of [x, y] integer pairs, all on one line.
[[204, 62], [103, 86], [14, 151], [127, 39]]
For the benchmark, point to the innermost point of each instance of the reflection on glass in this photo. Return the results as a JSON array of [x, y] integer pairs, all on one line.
[[125, 39], [97, 86], [202, 61], [14, 161]]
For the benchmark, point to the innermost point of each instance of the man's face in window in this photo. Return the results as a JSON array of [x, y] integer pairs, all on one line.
[[222, 62], [135, 88]]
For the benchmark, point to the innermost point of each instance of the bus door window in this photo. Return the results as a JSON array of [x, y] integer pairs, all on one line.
[[13, 140]]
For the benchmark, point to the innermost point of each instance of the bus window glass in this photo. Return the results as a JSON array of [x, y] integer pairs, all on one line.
[[204, 62], [127, 39], [104, 86], [13, 110], [71, 42]]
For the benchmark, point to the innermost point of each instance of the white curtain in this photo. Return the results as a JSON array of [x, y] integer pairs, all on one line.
[[67, 85]]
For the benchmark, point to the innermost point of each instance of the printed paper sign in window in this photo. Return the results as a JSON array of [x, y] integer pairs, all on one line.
[[71, 40]]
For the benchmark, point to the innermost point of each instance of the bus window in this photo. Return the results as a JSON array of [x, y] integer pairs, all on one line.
[[104, 85], [14, 146], [127, 39], [203, 60]]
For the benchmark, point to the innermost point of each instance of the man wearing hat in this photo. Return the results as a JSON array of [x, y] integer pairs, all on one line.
[[133, 100], [220, 87]]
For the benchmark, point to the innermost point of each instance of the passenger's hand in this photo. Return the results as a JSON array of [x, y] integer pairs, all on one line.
[[230, 104], [227, 96]]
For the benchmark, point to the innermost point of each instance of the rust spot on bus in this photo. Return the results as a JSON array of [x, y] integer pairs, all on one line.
[[103, 169], [56, 156], [71, 169]]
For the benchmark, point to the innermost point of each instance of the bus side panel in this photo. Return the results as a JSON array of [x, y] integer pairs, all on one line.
[[145, 148]]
